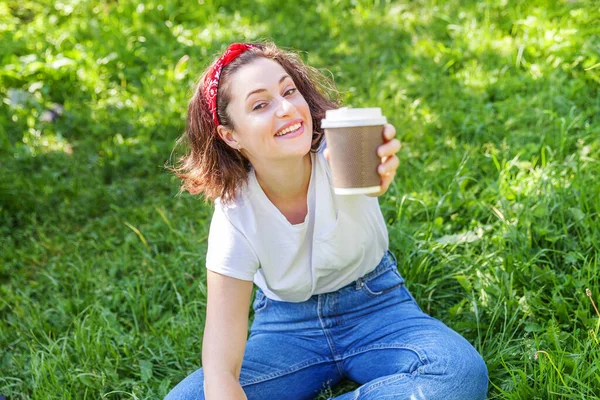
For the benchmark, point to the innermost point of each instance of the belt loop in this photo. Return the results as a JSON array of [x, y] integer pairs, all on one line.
[[393, 257], [359, 284]]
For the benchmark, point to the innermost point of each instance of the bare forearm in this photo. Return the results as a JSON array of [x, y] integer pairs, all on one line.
[[223, 386]]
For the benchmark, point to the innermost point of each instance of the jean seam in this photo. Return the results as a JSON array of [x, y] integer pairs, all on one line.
[[377, 294], [412, 298], [422, 356], [382, 382], [377, 272], [328, 337], [289, 370], [365, 280]]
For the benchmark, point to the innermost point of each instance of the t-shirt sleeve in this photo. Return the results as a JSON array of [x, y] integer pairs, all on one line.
[[229, 251]]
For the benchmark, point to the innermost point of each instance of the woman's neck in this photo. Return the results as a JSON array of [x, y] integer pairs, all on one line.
[[286, 184]]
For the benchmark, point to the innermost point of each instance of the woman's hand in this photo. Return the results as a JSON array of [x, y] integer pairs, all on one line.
[[389, 161]]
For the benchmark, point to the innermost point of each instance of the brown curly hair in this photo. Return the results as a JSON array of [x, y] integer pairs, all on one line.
[[212, 168]]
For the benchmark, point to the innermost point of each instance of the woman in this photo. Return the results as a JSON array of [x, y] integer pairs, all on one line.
[[330, 302]]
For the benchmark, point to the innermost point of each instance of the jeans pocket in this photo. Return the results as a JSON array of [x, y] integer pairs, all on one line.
[[383, 283], [260, 301]]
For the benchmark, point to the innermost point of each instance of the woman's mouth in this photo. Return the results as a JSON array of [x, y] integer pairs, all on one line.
[[291, 131]]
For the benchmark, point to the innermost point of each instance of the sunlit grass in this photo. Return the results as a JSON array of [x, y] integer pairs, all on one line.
[[493, 214]]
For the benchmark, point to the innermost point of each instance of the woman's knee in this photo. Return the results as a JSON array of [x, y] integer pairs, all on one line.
[[470, 373], [479, 372], [191, 388]]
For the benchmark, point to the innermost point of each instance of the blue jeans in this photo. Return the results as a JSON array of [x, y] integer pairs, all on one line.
[[371, 332]]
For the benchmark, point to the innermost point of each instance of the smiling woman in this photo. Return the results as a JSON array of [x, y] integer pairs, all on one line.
[[330, 302], [266, 108], [208, 125]]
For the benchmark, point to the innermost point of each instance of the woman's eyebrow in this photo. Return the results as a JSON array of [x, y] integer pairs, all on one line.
[[264, 90]]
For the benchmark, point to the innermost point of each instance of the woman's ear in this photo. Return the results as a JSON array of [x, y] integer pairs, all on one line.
[[228, 137]]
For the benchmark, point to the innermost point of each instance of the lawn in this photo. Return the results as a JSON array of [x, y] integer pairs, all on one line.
[[494, 213]]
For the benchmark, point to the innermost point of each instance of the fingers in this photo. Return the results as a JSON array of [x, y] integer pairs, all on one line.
[[326, 153], [387, 171], [389, 160], [389, 166], [386, 181], [388, 149], [388, 132]]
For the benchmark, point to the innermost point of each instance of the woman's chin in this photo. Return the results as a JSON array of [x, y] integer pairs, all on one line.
[[304, 149], [297, 146]]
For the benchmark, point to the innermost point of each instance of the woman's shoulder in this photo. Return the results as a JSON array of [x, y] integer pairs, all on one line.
[[239, 210], [234, 205]]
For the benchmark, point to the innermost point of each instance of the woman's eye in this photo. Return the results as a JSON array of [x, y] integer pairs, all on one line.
[[289, 91], [259, 106]]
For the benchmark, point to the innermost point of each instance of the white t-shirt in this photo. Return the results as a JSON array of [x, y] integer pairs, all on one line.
[[341, 239]]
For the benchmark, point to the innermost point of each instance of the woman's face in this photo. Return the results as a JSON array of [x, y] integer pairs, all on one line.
[[271, 119]]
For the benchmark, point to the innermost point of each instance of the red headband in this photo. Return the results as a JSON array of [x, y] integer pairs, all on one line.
[[211, 82]]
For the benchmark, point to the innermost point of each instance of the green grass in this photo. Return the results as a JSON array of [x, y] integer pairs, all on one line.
[[494, 214]]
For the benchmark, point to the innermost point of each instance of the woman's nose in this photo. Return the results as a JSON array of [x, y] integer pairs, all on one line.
[[285, 107]]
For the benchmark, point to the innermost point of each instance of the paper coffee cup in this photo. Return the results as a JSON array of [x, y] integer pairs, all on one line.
[[353, 136]]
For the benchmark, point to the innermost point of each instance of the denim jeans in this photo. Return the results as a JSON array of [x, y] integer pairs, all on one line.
[[371, 332]]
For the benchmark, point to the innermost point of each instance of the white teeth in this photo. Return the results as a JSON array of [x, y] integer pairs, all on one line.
[[289, 129]]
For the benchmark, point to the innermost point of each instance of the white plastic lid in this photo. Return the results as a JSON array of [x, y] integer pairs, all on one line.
[[346, 117]]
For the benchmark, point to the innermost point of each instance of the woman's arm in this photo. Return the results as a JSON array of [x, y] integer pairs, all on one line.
[[225, 336]]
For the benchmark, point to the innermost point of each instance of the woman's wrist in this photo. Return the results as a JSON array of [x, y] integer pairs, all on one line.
[[223, 386]]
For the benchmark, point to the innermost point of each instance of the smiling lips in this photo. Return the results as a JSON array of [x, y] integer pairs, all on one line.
[[289, 129]]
